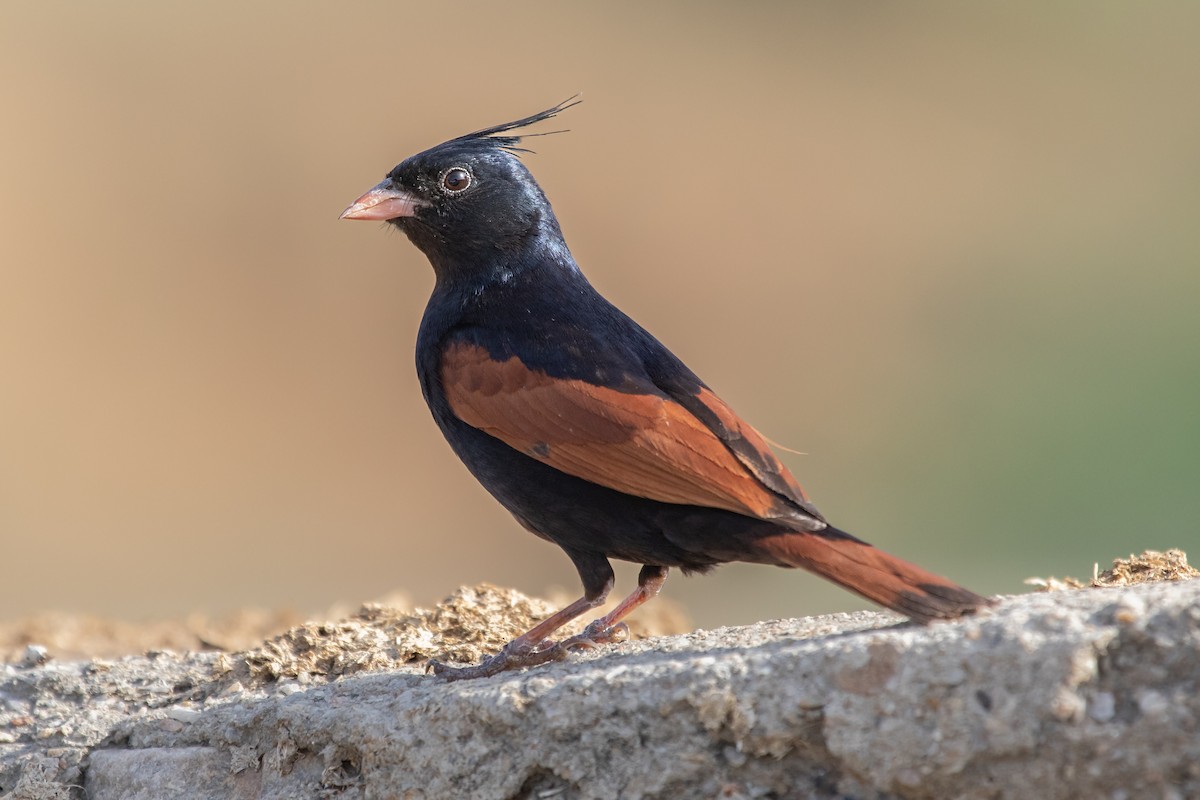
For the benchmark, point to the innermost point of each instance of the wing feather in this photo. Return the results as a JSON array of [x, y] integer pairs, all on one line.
[[643, 444]]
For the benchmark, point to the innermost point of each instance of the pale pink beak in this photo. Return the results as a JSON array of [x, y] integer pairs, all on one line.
[[382, 202]]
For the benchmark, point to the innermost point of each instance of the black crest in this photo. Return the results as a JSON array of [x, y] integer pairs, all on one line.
[[511, 143]]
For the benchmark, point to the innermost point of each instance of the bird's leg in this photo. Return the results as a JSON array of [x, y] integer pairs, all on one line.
[[524, 651], [610, 628]]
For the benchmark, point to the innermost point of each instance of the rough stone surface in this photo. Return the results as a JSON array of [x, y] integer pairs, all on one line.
[[1091, 693]]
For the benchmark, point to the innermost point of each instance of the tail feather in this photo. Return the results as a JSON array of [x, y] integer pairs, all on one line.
[[878, 576]]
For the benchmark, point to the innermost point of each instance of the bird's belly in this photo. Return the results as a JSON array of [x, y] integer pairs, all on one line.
[[579, 515]]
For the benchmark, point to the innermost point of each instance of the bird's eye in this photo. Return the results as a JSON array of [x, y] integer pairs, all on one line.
[[456, 180]]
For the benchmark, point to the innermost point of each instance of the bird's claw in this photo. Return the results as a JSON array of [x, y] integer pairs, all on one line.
[[519, 655]]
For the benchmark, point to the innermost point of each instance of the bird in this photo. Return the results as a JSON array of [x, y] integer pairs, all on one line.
[[584, 426]]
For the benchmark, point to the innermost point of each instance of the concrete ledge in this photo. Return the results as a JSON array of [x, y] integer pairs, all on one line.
[[1092, 693]]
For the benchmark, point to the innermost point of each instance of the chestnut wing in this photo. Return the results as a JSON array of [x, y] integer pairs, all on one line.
[[641, 443]]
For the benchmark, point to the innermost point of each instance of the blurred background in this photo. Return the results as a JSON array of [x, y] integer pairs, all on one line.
[[950, 252]]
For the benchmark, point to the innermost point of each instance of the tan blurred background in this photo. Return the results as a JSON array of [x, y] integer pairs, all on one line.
[[950, 252]]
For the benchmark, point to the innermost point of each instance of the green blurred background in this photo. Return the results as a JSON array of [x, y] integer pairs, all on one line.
[[949, 251]]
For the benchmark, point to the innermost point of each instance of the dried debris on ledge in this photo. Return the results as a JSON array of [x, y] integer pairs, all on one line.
[[469, 624], [466, 625], [1149, 567], [472, 623]]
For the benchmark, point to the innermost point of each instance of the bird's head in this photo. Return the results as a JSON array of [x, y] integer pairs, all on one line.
[[467, 201]]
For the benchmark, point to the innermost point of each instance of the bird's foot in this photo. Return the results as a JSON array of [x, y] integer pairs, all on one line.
[[520, 655], [515, 655]]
